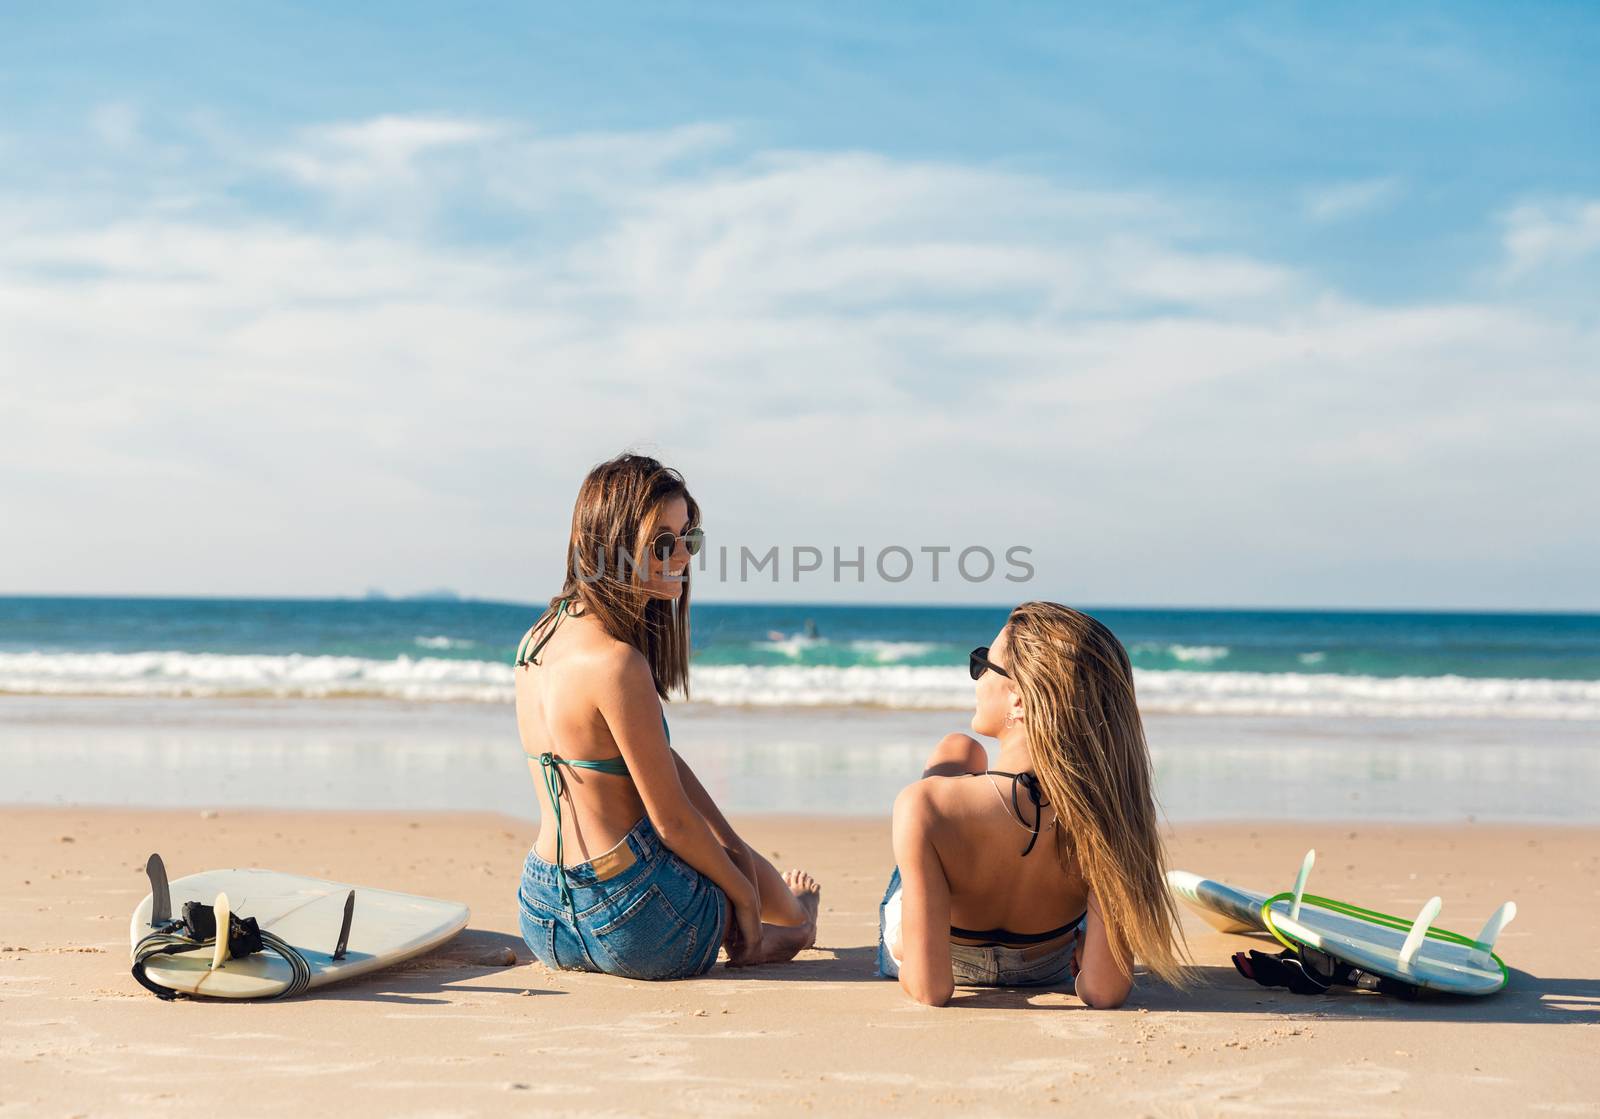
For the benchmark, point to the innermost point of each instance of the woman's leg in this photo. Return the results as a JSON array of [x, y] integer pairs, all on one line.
[[955, 756], [779, 905], [788, 909], [784, 942]]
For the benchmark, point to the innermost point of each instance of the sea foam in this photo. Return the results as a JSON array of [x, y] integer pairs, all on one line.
[[180, 674], [437, 679]]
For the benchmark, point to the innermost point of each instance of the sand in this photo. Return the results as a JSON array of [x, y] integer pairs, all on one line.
[[460, 1033]]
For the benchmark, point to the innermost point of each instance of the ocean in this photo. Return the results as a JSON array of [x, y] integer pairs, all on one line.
[[1324, 664], [1250, 715]]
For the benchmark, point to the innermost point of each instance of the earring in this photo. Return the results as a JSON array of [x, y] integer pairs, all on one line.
[[1011, 721]]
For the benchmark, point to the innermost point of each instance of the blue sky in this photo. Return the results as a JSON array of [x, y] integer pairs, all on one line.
[[1279, 307]]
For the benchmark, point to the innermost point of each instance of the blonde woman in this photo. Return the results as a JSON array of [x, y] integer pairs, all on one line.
[[635, 872], [1047, 869]]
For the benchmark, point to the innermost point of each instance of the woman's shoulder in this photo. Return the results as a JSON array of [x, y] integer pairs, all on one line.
[[594, 650], [936, 802]]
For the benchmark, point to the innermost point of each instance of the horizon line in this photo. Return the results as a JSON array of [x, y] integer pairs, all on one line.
[[453, 598]]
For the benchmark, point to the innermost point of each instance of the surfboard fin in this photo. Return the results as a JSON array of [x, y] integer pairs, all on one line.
[[1300, 883], [160, 894], [222, 912], [1419, 931], [344, 929], [1491, 931]]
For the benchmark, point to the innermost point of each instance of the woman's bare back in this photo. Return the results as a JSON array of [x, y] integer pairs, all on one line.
[[558, 712], [980, 843]]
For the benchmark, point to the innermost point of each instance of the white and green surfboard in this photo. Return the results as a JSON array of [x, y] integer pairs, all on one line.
[[1411, 951]]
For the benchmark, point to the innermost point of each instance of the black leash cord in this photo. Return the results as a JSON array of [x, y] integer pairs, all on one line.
[[162, 943]]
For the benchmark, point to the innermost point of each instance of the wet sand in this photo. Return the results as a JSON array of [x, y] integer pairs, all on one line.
[[365, 754]]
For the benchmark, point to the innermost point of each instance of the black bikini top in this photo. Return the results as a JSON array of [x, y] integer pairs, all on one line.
[[1030, 784]]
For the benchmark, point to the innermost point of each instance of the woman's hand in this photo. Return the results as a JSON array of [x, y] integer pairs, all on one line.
[[743, 938], [745, 859]]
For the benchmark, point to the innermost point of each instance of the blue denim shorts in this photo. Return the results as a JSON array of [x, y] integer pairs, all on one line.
[[642, 912], [981, 966]]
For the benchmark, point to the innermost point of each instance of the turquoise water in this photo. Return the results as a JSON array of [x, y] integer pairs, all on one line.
[[1188, 661]]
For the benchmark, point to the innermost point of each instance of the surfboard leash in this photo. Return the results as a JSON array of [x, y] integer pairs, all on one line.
[[1306, 971], [197, 929]]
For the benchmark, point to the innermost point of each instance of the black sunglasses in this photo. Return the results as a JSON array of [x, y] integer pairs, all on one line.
[[661, 547], [978, 663]]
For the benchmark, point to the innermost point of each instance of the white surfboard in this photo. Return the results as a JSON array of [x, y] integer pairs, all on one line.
[[1415, 952], [1225, 908], [308, 913]]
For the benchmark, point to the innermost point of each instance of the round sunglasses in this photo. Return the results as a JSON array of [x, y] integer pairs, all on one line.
[[978, 663], [663, 544]]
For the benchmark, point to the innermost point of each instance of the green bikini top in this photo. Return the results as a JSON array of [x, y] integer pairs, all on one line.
[[555, 782]]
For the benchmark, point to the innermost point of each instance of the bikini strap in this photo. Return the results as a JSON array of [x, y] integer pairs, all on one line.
[[1030, 783], [531, 656], [555, 784]]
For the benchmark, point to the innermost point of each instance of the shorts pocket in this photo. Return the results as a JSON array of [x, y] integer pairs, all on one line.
[[647, 939], [974, 967], [539, 933], [1053, 970]]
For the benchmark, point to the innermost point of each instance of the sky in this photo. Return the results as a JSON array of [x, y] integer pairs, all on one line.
[[1278, 307]]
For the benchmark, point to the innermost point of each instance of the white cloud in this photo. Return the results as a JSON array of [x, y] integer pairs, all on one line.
[[832, 230], [535, 171], [374, 154], [1541, 234], [1337, 201], [832, 345], [117, 124], [392, 139]]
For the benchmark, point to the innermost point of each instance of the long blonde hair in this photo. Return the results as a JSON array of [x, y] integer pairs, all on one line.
[[1090, 758], [606, 554]]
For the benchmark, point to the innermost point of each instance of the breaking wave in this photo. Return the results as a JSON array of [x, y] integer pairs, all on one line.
[[883, 684]]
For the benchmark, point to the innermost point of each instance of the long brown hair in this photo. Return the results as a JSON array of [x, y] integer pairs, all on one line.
[[606, 556], [1089, 754]]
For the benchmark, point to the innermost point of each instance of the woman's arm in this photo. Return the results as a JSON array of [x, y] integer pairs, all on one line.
[[738, 850], [715, 820], [628, 702], [925, 971], [1105, 975]]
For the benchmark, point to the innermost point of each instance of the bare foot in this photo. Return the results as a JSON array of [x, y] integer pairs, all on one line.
[[809, 895], [785, 942]]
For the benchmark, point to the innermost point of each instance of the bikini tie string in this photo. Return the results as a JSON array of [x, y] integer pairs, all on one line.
[[555, 784], [1031, 784]]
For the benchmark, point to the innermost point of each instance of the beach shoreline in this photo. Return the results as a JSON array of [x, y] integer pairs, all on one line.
[[458, 1032], [374, 754]]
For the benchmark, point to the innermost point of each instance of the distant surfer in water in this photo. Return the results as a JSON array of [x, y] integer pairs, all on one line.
[[636, 872], [1048, 869]]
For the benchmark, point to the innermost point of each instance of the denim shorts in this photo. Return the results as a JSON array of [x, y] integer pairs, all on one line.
[[974, 966], [642, 912]]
